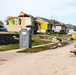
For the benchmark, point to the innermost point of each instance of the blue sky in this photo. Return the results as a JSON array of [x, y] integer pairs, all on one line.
[[61, 10]]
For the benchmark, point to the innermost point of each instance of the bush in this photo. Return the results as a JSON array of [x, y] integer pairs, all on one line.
[[1, 23]]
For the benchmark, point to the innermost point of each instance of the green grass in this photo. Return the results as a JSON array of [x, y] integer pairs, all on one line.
[[16, 46], [35, 41], [9, 32], [50, 36], [39, 42], [38, 49], [34, 50], [8, 47]]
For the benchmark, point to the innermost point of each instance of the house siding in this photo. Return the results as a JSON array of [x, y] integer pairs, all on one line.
[[71, 30], [58, 28], [43, 24], [67, 30], [63, 28]]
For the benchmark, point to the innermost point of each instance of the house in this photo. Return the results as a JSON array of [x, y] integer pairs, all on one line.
[[14, 23], [35, 25], [26, 19], [45, 25], [75, 28], [67, 28], [51, 26], [71, 27], [60, 27], [11, 20]]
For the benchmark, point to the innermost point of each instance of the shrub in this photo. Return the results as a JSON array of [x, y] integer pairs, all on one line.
[[1, 23]]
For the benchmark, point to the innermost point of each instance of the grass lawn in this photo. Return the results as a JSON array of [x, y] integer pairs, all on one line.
[[39, 42], [50, 36], [34, 50], [16, 46], [35, 42], [8, 47], [38, 49], [9, 32]]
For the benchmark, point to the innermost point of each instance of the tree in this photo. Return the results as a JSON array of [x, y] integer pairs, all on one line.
[[1, 23]]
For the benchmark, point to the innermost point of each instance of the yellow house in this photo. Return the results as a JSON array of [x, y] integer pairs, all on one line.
[[43, 24]]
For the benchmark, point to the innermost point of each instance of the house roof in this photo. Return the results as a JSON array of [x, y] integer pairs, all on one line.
[[70, 26], [57, 23], [46, 20], [22, 14], [51, 21], [67, 26], [60, 25], [11, 17]]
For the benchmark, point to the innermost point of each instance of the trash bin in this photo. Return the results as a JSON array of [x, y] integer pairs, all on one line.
[[74, 35], [25, 38]]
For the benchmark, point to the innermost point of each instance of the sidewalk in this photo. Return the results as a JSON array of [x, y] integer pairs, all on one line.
[[11, 54]]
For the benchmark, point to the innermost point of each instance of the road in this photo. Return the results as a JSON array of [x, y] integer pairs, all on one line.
[[50, 62]]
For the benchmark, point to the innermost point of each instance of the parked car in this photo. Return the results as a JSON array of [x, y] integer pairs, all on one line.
[[2, 28]]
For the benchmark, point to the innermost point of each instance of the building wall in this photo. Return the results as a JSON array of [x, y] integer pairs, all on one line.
[[12, 21], [63, 28], [71, 30], [23, 21], [43, 24], [53, 27], [58, 28], [15, 25], [67, 30], [15, 28], [19, 21]]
